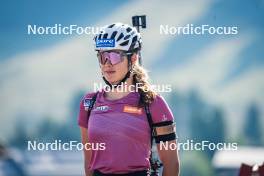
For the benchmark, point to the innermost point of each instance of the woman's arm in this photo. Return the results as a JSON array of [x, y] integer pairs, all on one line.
[[170, 159], [87, 153]]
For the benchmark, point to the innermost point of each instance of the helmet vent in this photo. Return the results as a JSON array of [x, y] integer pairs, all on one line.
[[128, 29], [124, 43], [120, 36], [112, 25], [113, 35], [105, 36], [134, 39], [126, 37]]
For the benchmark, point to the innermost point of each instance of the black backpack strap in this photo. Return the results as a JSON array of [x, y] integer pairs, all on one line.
[[155, 165], [150, 122], [92, 102]]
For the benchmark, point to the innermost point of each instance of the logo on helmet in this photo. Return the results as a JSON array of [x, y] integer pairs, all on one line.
[[105, 43]]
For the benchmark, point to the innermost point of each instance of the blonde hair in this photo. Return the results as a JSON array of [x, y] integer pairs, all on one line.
[[140, 76]]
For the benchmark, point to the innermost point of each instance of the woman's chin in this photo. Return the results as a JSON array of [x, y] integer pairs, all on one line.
[[112, 81]]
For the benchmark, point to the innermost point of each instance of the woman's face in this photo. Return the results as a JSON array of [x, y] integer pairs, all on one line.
[[115, 73]]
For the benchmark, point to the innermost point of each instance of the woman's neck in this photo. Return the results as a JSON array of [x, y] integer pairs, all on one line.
[[122, 91]]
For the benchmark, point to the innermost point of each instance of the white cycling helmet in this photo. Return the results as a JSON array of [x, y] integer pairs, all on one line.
[[118, 36]]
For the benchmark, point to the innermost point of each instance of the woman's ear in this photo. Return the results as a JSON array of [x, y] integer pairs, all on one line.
[[134, 58]]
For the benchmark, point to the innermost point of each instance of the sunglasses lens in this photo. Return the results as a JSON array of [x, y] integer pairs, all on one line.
[[113, 57], [101, 59]]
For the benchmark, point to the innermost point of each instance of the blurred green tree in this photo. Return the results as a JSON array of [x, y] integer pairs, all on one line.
[[195, 163], [21, 136], [206, 122], [252, 126]]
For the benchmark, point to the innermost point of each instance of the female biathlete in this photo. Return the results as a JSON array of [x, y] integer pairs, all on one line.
[[124, 122]]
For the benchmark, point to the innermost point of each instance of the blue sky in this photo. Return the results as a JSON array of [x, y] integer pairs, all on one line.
[[246, 15], [16, 15]]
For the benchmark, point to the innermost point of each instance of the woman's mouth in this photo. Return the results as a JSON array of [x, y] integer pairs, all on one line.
[[109, 72]]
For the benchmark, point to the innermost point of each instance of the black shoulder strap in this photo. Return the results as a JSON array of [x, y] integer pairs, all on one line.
[[155, 164], [150, 122], [91, 106]]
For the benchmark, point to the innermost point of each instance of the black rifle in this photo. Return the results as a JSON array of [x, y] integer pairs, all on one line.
[[140, 21]]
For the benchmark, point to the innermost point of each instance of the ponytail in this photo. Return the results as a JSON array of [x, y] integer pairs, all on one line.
[[140, 78]]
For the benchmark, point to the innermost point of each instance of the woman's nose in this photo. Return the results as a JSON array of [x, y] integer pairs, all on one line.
[[108, 62]]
